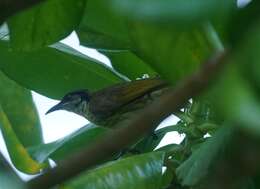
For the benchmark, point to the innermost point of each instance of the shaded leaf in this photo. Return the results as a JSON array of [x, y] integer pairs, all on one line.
[[243, 21], [128, 64], [239, 99], [18, 154], [55, 71], [101, 28], [44, 24], [140, 171], [173, 10], [8, 178], [18, 106], [198, 165], [68, 145], [173, 53]]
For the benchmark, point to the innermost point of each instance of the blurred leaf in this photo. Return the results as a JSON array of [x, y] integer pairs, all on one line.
[[198, 165], [8, 178], [44, 24], [140, 171], [235, 93], [18, 154], [68, 145], [18, 106], [167, 178], [55, 71], [242, 21], [248, 58], [178, 11], [151, 142], [128, 64], [101, 28], [173, 53]]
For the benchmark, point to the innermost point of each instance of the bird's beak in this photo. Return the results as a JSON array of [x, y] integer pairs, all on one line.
[[58, 106]]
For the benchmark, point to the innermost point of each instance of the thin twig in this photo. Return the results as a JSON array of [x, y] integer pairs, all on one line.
[[146, 121]]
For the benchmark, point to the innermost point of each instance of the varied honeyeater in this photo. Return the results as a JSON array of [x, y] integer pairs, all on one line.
[[114, 105]]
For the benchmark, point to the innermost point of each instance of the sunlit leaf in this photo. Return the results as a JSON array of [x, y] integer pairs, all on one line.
[[140, 171], [18, 106], [45, 23], [18, 154]]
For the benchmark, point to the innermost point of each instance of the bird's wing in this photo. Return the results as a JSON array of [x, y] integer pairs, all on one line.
[[108, 100]]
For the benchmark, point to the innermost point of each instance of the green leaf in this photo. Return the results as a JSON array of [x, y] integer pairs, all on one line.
[[18, 106], [173, 53], [151, 142], [44, 24], [8, 178], [55, 71], [173, 11], [68, 145], [198, 165], [140, 171], [243, 21], [101, 28], [18, 154], [247, 56], [128, 64], [239, 98]]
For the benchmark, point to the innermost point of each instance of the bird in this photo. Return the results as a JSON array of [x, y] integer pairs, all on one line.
[[114, 105]]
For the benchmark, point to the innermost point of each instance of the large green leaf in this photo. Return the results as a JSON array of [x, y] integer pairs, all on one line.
[[68, 145], [136, 172], [173, 10], [18, 106], [237, 95], [198, 165], [101, 28], [18, 154], [171, 52], [45, 23], [54, 71], [128, 64]]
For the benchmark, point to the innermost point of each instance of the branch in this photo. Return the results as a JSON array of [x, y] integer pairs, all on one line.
[[146, 121], [11, 7]]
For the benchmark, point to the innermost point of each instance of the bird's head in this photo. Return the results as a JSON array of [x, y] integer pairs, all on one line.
[[74, 102]]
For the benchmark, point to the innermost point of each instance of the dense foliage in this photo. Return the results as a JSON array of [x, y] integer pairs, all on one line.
[[167, 38]]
